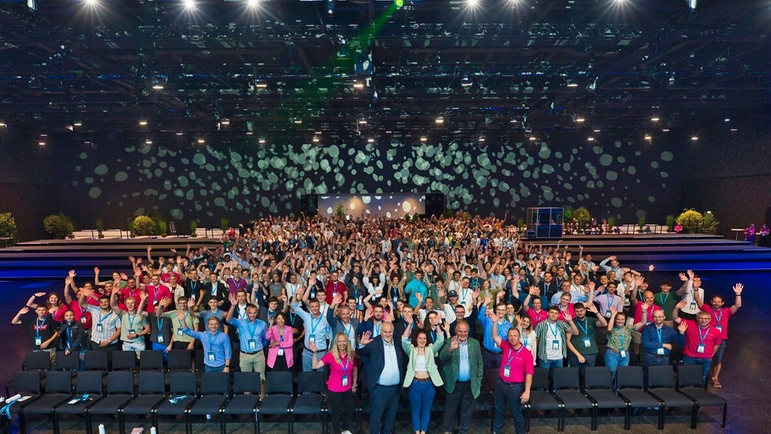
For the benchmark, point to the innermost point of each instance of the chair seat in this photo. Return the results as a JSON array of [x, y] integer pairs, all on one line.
[[671, 398], [574, 399], [45, 404], [276, 404], [702, 397], [639, 398], [540, 400], [242, 404], [142, 404], [208, 404], [167, 408], [308, 404], [606, 399], [77, 408], [110, 404]]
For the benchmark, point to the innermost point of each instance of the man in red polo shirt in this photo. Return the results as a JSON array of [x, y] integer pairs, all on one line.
[[720, 317], [515, 376], [702, 340]]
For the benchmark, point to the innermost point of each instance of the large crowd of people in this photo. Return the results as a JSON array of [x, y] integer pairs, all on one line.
[[384, 304]]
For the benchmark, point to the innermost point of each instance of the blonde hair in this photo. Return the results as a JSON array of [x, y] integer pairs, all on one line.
[[336, 352]]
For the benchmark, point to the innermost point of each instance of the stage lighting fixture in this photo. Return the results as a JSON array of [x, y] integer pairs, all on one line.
[[252, 3], [3, 125], [148, 142], [201, 141], [666, 130], [261, 140], [694, 138], [179, 133], [727, 119], [580, 120], [596, 131], [399, 3], [692, 4], [572, 83], [362, 122], [189, 4], [655, 119], [77, 124], [733, 130], [439, 120], [472, 3], [225, 121], [331, 7], [143, 123], [41, 143], [261, 85], [370, 140], [591, 139], [531, 138], [648, 137], [315, 139], [157, 86], [481, 139], [358, 85], [424, 139], [92, 2], [466, 82]]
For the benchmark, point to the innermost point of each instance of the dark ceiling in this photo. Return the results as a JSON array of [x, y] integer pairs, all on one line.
[[499, 69]]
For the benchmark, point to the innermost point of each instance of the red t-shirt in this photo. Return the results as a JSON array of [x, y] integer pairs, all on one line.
[[333, 288], [155, 294], [570, 309], [80, 313], [638, 313], [719, 318], [535, 318], [695, 336], [519, 362], [337, 371]]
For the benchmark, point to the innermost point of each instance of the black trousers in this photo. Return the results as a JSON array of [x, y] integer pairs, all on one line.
[[492, 362], [384, 401], [460, 396], [341, 406]]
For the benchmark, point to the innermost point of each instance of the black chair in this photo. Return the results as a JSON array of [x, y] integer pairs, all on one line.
[[37, 361], [87, 383], [631, 387], [567, 389], [180, 361], [120, 390], [182, 396], [541, 399], [58, 390], [26, 384], [215, 388], [310, 397], [598, 385], [150, 360], [661, 384], [67, 362], [690, 384], [151, 392], [97, 361], [246, 396], [278, 397], [124, 361]]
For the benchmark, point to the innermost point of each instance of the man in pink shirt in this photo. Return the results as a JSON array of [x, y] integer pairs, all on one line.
[[335, 286], [720, 317], [702, 340], [156, 291]]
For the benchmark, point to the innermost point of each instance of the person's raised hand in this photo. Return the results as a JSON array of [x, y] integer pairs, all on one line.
[[681, 304], [96, 270], [72, 273], [682, 327], [454, 345], [40, 294], [567, 316], [683, 277], [738, 288], [366, 338]]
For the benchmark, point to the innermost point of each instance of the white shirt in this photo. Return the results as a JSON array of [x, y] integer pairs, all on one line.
[[390, 375]]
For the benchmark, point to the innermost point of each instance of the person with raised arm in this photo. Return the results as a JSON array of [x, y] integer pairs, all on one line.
[[105, 334], [582, 347], [620, 337], [216, 345], [43, 328], [317, 329], [552, 338], [422, 375], [462, 376], [178, 317], [342, 381], [720, 317], [134, 324], [657, 341]]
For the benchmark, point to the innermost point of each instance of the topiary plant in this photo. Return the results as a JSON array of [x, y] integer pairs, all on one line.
[[709, 223], [691, 221], [144, 225], [581, 215], [100, 228], [671, 222], [224, 224], [59, 225], [193, 228], [8, 227]]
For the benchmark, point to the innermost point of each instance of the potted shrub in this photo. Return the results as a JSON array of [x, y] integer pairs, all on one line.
[[641, 223], [691, 221], [224, 225], [611, 224], [193, 228], [582, 216], [143, 226], [100, 228], [8, 227], [59, 225], [670, 223]]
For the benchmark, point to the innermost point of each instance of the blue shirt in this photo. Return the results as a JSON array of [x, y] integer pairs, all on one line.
[[487, 323], [390, 374], [205, 315], [216, 347], [650, 338], [416, 286], [251, 335], [316, 328], [464, 369]]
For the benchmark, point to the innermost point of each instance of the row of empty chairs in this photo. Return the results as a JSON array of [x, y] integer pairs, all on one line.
[[119, 393], [661, 389]]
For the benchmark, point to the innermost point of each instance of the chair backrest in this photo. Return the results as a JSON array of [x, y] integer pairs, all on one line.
[[661, 377], [540, 379], [180, 360], [90, 382], [59, 382], [182, 382], [566, 378], [215, 383], [120, 382], [124, 361], [311, 382], [96, 361], [27, 382], [597, 377], [151, 360], [37, 361], [67, 362], [152, 383], [246, 382], [689, 376], [630, 377], [279, 382]]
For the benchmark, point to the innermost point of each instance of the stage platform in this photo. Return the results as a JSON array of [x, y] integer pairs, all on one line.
[[51, 259]]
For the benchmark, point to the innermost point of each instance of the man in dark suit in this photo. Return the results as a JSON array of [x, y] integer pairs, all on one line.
[[216, 289], [462, 375], [384, 365]]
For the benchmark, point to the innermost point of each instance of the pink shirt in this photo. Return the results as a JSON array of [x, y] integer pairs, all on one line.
[[519, 362], [693, 338], [535, 318], [274, 335], [719, 318], [569, 310], [649, 312], [155, 294], [337, 371]]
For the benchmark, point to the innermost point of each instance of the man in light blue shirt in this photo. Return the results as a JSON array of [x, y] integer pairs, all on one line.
[[317, 329], [251, 338], [491, 353], [216, 346]]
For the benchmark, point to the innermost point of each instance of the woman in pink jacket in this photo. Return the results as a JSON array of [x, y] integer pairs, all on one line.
[[280, 353]]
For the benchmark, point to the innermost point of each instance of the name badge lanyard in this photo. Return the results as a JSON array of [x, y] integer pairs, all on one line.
[[719, 318], [376, 330], [312, 337], [538, 316], [553, 330], [101, 320], [251, 329], [661, 344], [463, 294], [584, 327], [609, 297], [344, 366], [621, 340], [179, 321], [211, 338], [348, 328], [512, 355], [131, 319], [38, 325], [648, 314], [663, 299], [703, 337], [69, 336], [159, 325]]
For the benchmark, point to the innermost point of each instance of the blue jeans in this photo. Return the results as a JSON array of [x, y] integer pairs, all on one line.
[[655, 360], [550, 364], [508, 395], [613, 360], [590, 361], [207, 368], [422, 395], [705, 365]]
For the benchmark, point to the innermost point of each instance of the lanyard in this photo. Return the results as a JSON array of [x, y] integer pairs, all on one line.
[[658, 332], [513, 354], [69, 336], [538, 316], [584, 327], [131, 319], [252, 328], [347, 328], [621, 338], [180, 321], [649, 314], [159, 323], [39, 324], [553, 330], [211, 338], [609, 302], [463, 294], [376, 329], [719, 318], [663, 299], [704, 336], [345, 365], [102, 318], [280, 334], [314, 327]]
